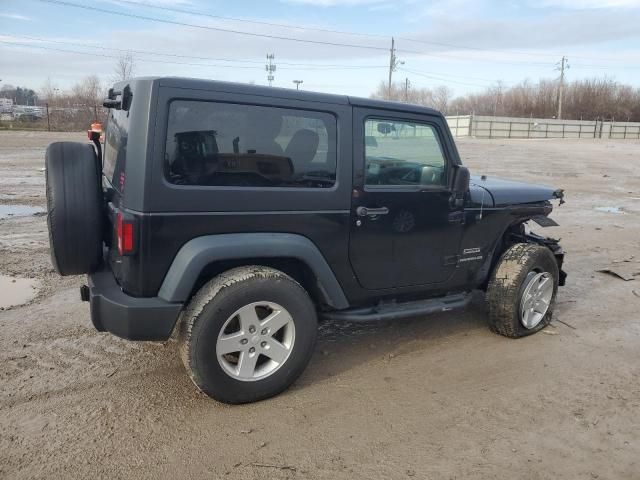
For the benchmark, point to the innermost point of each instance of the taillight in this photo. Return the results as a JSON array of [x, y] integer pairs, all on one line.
[[125, 233]]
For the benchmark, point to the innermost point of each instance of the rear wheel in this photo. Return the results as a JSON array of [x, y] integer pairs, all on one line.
[[247, 334], [74, 207], [522, 290]]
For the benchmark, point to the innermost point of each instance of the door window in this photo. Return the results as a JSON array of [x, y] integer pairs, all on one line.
[[403, 153]]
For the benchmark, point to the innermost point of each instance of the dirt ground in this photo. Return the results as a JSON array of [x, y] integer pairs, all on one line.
[[439, 397]]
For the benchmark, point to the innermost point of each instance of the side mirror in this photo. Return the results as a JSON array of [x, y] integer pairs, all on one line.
[[461, 180]]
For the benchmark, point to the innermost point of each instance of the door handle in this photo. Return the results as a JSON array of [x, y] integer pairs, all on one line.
[[372, 212]]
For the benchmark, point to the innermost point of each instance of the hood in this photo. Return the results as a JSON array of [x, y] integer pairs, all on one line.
[[508, 192]]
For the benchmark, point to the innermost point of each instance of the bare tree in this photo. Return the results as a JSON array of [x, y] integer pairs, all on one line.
[[88, 91], [441, 98], [48, 90], [125, 67], [437, 98], [588, 99]]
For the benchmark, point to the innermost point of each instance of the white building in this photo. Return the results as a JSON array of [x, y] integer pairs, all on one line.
[[6, 105]]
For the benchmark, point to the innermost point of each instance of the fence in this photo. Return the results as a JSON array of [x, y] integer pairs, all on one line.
[[61, 119], [78, 117], [512, 127]]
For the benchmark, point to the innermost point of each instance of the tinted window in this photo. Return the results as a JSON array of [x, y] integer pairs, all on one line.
[[222, 144], [403, 153], [115, 147]]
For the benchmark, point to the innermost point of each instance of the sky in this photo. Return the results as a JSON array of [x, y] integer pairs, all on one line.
[[334, 46]]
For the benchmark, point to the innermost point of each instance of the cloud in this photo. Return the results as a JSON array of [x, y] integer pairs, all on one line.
[[581, 32], [15, 16], [587, 4], [335, 3], [553, 31], [157, 3]]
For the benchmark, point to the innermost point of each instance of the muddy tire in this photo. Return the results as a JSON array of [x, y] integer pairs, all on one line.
[[247, 334], [522, 290], [74, 207]]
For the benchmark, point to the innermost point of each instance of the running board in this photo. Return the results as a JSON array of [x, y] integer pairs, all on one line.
[[393, 311]]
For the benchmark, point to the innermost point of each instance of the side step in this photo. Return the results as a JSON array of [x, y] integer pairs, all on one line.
[[393, 311]]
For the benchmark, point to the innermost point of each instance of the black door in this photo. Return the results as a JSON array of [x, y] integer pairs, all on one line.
[[404, 231]]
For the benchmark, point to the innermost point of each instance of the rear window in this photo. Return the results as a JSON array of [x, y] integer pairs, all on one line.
[[223, 144], [115, 147]]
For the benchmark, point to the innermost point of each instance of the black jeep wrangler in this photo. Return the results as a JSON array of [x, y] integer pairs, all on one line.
[[239, 215]]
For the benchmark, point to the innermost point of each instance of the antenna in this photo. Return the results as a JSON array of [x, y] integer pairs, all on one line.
[[483, 178], [270, 67]]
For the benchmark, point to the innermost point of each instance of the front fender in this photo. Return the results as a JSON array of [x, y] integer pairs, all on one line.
[[202, 251]]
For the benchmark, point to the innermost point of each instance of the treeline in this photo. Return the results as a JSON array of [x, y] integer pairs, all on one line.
[[66, 110], [60, 110], [19, 95], [588, 99]]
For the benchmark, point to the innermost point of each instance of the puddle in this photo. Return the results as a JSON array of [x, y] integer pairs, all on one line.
[[10, 211], [16, 291], [610, 209]]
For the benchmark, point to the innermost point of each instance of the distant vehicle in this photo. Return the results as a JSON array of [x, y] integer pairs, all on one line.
[[25, 112], [239, 215]]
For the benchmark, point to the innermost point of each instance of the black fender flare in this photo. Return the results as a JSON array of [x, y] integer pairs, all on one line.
[[201, 251]]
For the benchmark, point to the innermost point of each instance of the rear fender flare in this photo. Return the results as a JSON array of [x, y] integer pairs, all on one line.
[[196, 254]]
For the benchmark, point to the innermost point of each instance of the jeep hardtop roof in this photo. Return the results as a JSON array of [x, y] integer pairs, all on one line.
[[276, 92]]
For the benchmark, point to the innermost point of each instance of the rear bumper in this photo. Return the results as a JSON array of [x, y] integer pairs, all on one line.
[[131, 318]]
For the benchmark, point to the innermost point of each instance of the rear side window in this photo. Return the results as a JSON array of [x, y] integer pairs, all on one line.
[[115, 147], [224, 144]]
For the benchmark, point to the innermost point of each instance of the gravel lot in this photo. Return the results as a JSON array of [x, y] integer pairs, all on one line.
[[435, 397]]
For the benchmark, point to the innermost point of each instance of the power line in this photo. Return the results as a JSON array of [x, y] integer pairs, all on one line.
[[478, 49], [454, 76], [206, 27], [94, 54], [245, 20], [433, 77], [485, 60], [263, 35], [276, 37], [127, 50], [344, 32], [516, 52], [163, 54], [604, 67], [318, 66]]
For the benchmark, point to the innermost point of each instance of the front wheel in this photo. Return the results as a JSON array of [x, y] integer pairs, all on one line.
[[522, 290], [247, 334]]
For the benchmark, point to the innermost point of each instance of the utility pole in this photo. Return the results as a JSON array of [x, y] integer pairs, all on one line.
[[564, 64], [298, 82], [393, 64], [407, 84], [270, 67]]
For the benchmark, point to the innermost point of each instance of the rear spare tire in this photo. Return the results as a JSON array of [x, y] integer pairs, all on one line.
[[74, 207]]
